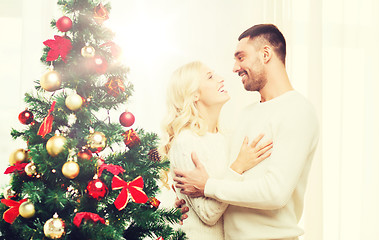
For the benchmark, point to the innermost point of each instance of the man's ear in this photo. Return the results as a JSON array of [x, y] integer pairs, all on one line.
[[267, 53]]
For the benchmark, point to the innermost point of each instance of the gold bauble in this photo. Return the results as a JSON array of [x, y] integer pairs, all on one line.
[[97, 142], [54, 228], [55, 145], [51, 81], [8, 192], [88, 51], [74, 102], [30, 169], [27, 210], [70, 169], [18, 156]]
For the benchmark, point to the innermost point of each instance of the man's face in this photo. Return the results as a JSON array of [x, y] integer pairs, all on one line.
[[249, 65]]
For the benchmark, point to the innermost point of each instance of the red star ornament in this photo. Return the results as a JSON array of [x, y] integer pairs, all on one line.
[[60, 46]]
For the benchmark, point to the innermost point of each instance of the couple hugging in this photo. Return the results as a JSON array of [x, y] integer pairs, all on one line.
[[250, 185]]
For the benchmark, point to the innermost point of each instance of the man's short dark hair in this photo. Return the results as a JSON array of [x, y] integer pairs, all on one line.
[[271, 34]]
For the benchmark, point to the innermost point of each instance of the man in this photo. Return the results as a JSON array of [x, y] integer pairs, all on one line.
[[266, 202]]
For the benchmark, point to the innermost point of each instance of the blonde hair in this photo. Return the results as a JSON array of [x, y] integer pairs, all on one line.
[[182, 112]]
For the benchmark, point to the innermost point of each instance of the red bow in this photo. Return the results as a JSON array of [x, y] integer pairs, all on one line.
[[87, 216], [47, 123], [115, 169], [12, 213], [20, 167], [131, 189]]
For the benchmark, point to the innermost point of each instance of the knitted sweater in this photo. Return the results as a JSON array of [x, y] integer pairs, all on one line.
[[267, 202], [205, 214]]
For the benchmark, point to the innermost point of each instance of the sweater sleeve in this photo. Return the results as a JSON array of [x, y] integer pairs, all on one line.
[[295, 139], [207, 209]]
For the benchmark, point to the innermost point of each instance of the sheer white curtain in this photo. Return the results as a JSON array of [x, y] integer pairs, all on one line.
[[332, 59]]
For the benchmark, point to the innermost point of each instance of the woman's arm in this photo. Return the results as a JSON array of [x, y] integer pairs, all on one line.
[[207, 209]]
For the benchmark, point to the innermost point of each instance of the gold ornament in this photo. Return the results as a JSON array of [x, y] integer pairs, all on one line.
[[30, 169], [74, 102], [97, 142], [18, 156], [54, 228], [88, 51], [55, 145], [8, 192], [70, 169], [51, 81], [27, 210]]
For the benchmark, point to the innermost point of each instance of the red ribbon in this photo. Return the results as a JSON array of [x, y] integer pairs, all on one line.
[[20, 167], [114, 169], [87, 216], [12, 213], [47, 123], [133, 190]]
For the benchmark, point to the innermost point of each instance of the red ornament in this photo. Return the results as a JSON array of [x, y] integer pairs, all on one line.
[[87, 216], [131, 138], [153, 202], [97, 189], [47, 123], [85, 154], [100, 13], [127, 119], [59, 46], [26, 117], [64, 24], [114, 169], [114, 86], [101, 64]]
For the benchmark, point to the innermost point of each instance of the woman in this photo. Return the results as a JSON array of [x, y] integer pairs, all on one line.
[[194, 100]]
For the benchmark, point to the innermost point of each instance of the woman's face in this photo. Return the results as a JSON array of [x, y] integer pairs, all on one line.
[[211, 90]]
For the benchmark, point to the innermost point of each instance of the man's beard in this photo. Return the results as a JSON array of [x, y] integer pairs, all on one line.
[[257, 82]]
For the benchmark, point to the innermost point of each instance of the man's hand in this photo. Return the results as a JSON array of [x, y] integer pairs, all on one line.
[[192, 183]]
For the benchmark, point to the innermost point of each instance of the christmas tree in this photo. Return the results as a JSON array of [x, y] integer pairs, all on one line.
[[82, 175]]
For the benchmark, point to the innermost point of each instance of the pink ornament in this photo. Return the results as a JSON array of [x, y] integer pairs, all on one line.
[[127, 119]]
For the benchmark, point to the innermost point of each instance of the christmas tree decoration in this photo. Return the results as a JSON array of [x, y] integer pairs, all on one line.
[[51, 81], [64, 24], [97, 142], [88, 51], [74, 102], [47, 123], [127, 119], [27, 209], [31, 169], [87, 216], [72, 193], [154, 155], [26, 117], [100, 13], [101, 65], [54, 228], [114, 169], [8, 193], [153, 202], [70, 169], [129, 190], [55, 145], [60, 46], [85, 154], [12, 213], [160, 238], [114, 86], [18, 167], [18, 156], [131, 138], [116, 51], [97, 189]]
